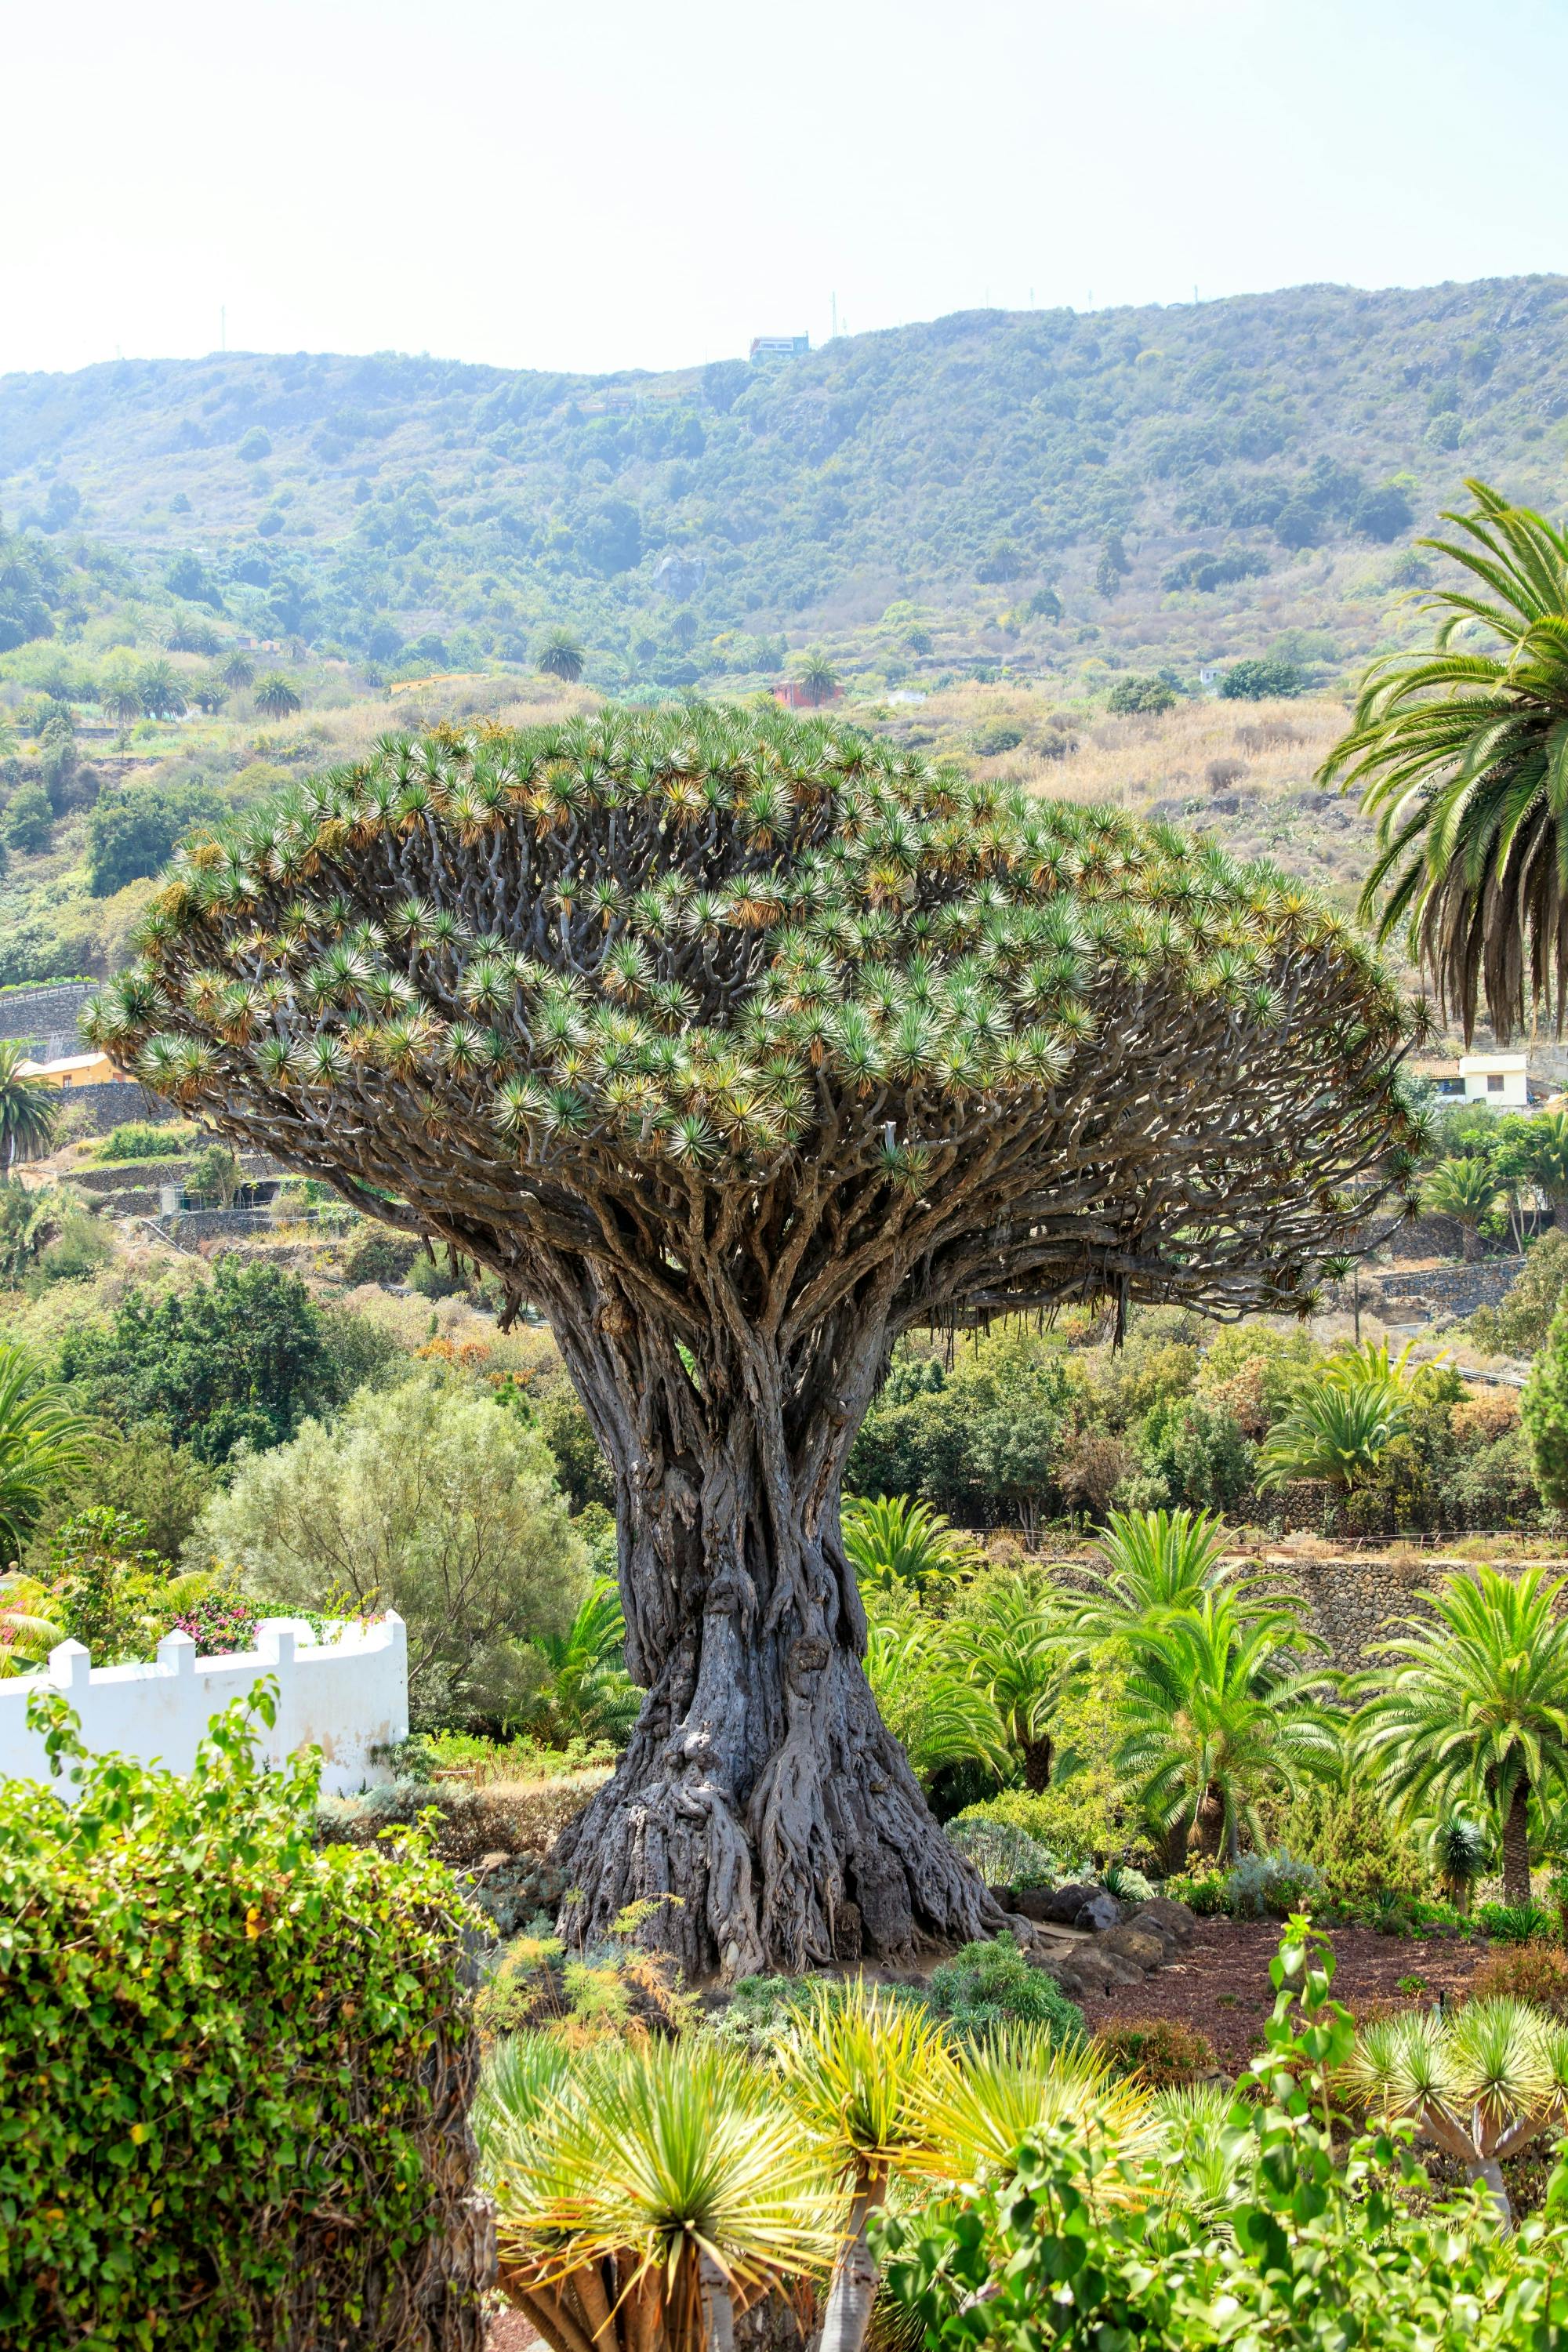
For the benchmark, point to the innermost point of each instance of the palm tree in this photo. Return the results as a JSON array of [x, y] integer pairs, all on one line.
[[27, 1630], [42, 1439], [238, 671], [29, 1114], [588, 1693], [1462, 756], [159, 690], [209, 694], [1547, 1162], [1011, 1644], [1464, 1190], [1473, 1708], [121, 699], [275, 697], [1218, 1715], [929, 1703], [1344, 1419], [818, 679], [892, 1540], [561, 655], [1149, 1562], [647, 2190], [1482, 2081]]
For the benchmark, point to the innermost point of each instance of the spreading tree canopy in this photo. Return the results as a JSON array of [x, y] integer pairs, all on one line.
[[738, 1045]]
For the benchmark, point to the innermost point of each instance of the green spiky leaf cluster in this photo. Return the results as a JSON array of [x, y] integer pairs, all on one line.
[[695, 949]]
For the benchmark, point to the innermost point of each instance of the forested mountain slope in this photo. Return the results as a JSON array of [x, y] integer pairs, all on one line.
[[1029, 491]]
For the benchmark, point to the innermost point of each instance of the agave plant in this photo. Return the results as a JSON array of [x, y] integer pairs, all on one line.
[[1483, 2081], [1462, 757], [646, 2191]]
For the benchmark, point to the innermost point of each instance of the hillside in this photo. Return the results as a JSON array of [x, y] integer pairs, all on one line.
[[1274, 453], [222, 573]]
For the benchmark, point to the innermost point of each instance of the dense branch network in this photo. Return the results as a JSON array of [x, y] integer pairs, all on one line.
[[663, 997]]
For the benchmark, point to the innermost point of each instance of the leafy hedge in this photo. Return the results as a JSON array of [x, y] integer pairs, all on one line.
[[235, 2069]]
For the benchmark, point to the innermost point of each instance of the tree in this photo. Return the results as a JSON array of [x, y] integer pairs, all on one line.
[[1148, 1563], [209, 694], [275, 697], [130, 832], [891, 1541], [1466, 1190], [238, 671], [939, 1714], [162, 696], [1543, 1409], [561, 655], [587, 1693], [424, 1500], [1546, 1152], [1472, 1710], [43, 1439], [741, 1047], [1009, 1639], [240, 1359], [818, 679], [1261, 680], [1342, 1419], [29, 1110], [1219, 1715], [29, 821], [1461, 755], [121, 700], [1141, 697], [1482, 2081]]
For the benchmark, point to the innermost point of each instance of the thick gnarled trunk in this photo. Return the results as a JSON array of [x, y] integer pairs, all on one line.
[[760, 1791]]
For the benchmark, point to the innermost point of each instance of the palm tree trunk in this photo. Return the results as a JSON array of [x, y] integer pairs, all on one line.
[[1036, 1764], [1490, 2172], [1176, 1836], [1516, 1845], [1469, 1245], [1211, 1821]]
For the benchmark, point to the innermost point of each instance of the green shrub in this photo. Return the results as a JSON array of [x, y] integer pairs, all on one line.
[[1202, 1892], [1158, 2050], [1002, 1853], [1351, 1836], [144, 1138], [987, 1985], [1272, 1887], [377, 1253], [1515, 1923], [233, 2069]]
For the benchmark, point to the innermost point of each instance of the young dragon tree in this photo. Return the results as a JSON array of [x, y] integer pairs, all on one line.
[[738, 1045]]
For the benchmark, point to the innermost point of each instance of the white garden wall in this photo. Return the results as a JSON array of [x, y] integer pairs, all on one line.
[[346, 1696]]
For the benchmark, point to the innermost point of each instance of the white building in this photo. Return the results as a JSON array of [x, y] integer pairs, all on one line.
[[1501, 1080]]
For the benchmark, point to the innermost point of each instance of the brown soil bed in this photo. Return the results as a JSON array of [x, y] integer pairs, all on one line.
[[1220, 1983]]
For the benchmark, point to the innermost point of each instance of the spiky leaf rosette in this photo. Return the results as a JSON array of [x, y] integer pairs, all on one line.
[[652, 992]]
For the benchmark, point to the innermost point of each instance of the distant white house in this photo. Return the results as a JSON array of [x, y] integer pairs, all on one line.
[[1501, 1079]]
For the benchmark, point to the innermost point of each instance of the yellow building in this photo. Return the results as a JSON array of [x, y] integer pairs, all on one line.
[[73, 1070]]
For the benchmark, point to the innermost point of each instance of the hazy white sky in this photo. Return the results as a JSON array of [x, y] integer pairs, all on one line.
[[608, 183]]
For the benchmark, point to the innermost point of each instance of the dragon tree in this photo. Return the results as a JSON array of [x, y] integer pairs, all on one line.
[[739, 1046]]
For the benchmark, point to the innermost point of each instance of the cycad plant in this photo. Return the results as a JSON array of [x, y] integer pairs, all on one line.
[[1471, 1710], [1461, 754], [647, 2192], [1335, 1433], [1483, 2081], [1218, 1714]]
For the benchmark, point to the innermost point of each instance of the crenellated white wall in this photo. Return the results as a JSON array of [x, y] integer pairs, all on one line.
[[346, 1696]]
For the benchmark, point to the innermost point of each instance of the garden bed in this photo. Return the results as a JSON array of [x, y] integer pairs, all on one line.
[[1220, 1983]]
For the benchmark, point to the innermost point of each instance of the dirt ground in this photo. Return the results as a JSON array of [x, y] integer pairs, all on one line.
[[1220, 1984]]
